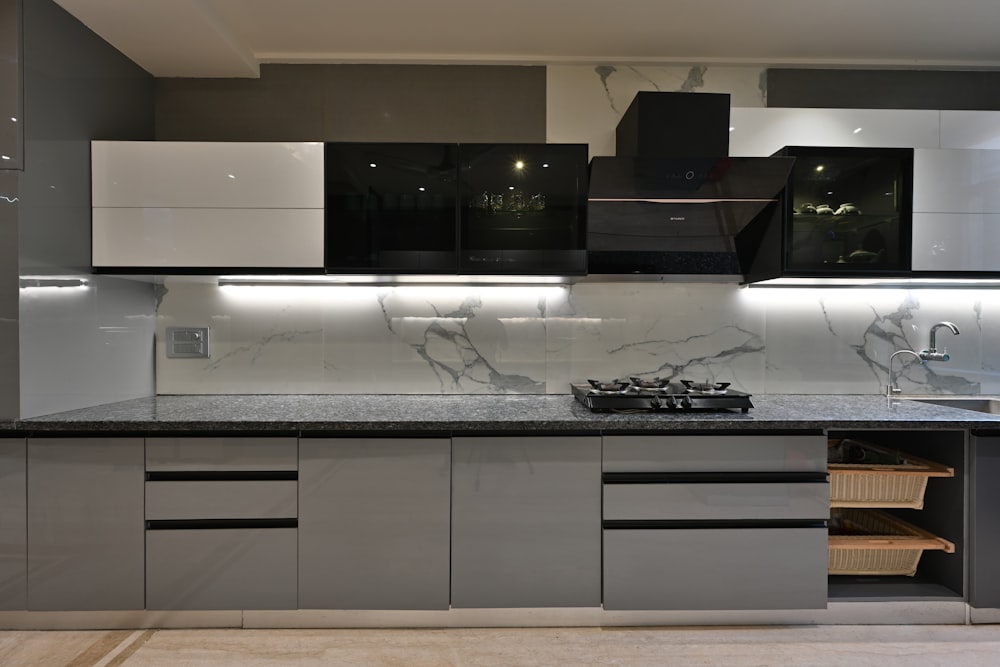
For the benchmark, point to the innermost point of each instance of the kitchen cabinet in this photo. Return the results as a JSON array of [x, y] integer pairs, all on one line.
[[440, 208], [956, 211], [758, 131], [526, 521], [11, 116], [374, 523], [523, 209], [984, 522], [221, 522], [715, 522], [848, 212], [85, 523], [940, 575], [188, 206], [13, 524]]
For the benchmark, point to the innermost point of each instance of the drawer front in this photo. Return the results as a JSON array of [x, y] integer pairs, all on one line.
[[241, 454], [726, 568], [221, 569], [956, 241], [207, 174], [692, 502], [207, 237], [268, 499], [715, 453], [956, 181]]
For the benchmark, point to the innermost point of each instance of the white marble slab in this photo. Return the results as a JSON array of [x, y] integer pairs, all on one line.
[[536, 340]]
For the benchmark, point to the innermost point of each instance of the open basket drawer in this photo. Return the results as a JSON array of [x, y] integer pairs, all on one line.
[[871, 542], [863, 474]]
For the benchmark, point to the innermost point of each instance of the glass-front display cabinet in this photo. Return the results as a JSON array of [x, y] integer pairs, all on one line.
[[849, 211], [391, 207], [523, 209]]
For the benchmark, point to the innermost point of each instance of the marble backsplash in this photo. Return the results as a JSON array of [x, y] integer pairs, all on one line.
[[528, 339]]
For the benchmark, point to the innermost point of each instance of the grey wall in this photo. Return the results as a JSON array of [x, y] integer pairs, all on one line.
[[358, 103], [883, 89], [84, 346], [10, 84]]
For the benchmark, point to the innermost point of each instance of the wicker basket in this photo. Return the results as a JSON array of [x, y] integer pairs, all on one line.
[[870, 542], [882, 477]]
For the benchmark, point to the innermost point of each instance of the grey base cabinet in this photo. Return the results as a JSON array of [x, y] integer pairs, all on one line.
[[85, 524], [984, 528], [374, 523], [13, 525], [221, 569], [727, 522], [526, 522], [725, 568], [221, 518]]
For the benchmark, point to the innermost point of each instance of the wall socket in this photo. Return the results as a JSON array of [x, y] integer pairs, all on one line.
[[187, 342]]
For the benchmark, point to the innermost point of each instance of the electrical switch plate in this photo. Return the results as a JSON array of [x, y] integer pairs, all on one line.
[[187, 342]]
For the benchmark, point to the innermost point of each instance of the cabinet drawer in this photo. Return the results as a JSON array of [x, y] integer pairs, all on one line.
[[715, 568], [267, 499], [207, 174], [221, 569], [956, 241], [208, 237], [715, 453], [244, 454], [692, 502], [956, 181]]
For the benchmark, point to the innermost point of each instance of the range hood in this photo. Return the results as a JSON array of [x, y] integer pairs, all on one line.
[[672, 203], [701, 216]]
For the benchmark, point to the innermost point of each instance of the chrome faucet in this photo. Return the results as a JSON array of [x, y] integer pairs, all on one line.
[[931, 353], [891, 389]]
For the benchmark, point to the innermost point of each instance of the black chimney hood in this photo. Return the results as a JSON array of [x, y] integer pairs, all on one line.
[[672, 202]]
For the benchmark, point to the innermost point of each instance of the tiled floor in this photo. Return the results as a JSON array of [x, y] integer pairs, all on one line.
[[784, 646]]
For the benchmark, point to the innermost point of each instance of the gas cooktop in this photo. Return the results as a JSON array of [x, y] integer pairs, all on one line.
[[639, 395]]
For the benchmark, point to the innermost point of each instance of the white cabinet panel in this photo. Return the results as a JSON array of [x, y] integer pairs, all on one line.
[[956, 181], [970, 129], [207, 174], [762, 131], [210, 237], [956, 242]]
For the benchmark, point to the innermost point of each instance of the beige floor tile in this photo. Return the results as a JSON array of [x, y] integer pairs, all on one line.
[[766, 646]]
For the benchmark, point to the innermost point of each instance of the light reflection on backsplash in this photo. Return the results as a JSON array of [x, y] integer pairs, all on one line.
[[468, 339]]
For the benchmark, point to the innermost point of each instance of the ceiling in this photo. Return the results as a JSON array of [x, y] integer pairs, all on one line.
[[232, 38]]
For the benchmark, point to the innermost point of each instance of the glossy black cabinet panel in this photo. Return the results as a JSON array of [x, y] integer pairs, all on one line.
[[849, 211], [523, 209], [391, 208]]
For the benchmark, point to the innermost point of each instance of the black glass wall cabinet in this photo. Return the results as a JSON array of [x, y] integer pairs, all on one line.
[[477, 209], [849, 211]]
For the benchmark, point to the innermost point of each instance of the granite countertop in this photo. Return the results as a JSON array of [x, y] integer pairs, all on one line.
[[480, 413]]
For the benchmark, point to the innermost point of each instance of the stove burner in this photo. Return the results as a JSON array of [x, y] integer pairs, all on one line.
[[705, 387], [612, 387], [655, 383]]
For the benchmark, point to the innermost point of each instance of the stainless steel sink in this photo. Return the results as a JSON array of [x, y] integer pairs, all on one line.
[[985, 404]]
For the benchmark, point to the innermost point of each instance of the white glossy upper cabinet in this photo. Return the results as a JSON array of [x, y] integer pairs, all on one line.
[[956, 210], [225, 205], [763, 131]]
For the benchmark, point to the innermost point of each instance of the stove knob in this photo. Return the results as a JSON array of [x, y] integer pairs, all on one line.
[[654, 402], [685, 402], [672, 402]]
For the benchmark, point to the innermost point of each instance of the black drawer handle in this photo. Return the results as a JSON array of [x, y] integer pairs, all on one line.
[[665, 524], [217, 524], [221, 475], [714, 477]]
